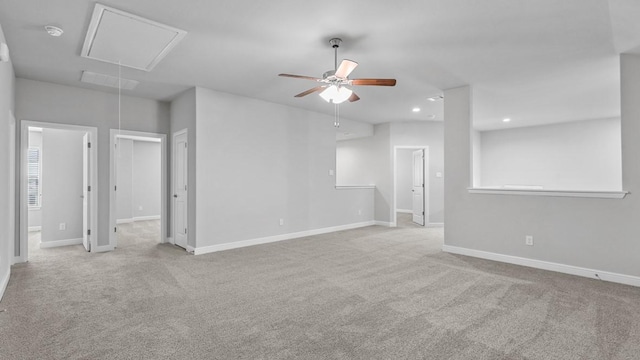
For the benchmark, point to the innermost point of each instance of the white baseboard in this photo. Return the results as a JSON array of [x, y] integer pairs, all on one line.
[[34, 228], [143, 218], [58, 243], [192, 250], [384, 223], [435, 225], [124, 221], [170, 240], [104, 248], [404, 211], [271, 239], [3, 283], [545, 265]]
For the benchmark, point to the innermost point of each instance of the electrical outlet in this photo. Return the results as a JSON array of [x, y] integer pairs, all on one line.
[[331, 172], [528, 240], [63, 226], [281, 221]]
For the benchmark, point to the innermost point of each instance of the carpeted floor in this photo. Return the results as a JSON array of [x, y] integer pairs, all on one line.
[[370, 293]]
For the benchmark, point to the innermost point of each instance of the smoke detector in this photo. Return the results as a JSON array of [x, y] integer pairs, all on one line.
[[53, 30]]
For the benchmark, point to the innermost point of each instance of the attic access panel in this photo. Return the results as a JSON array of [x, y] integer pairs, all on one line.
[[115, 36]]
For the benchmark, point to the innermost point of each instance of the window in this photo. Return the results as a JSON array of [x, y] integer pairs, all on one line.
[[33, 176]]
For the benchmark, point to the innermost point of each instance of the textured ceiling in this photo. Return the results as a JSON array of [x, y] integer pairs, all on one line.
[[533, 61]]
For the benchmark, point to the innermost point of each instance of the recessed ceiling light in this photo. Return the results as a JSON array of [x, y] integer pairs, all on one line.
[[53, 30], [506, 120], [436, 98], [416, 109]]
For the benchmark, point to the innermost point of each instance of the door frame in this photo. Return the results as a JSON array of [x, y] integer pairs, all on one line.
[[394, 216], [128, 134], [23, 256], [173, 184]]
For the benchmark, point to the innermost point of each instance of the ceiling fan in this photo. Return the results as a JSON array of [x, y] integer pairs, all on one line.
[[334, 82]]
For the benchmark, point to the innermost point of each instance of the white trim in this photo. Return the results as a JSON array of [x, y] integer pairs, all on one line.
[[58, 243], [276, 238], [3, 284], [93, 176], [349, 187], [118, 133], [144, 218], [435, 225], [138, 218], [103, 248], [556, 193], [404, 211], [545, 265], [34, 228], [192, 250], [384, 223]]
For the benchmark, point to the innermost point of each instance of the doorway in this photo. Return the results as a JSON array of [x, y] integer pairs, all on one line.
[[410, 186], [138, 189], [58, 200], [180, 189]]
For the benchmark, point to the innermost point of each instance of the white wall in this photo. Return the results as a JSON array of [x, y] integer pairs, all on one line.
[[138, 180], [369, 161], [35, 213], [124, 180], [7, 196], [404, 179], [47, 102], [258, 162], [62, 190], [582, 155], [600, 234], [146, 180]]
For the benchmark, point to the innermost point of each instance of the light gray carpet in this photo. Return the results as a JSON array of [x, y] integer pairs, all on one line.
[[370, 293]]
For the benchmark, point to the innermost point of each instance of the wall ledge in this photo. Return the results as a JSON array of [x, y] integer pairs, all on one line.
[[349, 187], [554, 193], [546, 265]]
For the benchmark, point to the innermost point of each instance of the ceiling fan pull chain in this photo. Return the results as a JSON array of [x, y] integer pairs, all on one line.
[[336, 121]]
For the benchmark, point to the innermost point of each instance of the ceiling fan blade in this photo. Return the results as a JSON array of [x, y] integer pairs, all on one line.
[[345, 68], [373, 82], [354, 97], [300, 77], [310, 91]]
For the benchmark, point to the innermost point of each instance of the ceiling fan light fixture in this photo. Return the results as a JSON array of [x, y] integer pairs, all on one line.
[[335, 94]]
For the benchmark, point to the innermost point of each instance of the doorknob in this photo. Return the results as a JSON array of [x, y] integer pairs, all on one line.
[[175, 195]]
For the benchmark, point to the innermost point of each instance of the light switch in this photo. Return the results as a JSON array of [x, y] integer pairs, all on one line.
[[331, 172], [438, 174]]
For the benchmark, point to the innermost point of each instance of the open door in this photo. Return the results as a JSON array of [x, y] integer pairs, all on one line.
[[86, 188], [418, 187], [180, 189]]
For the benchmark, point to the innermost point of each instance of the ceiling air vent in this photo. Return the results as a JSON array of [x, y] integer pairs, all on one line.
[[107, 80], [117, 37]]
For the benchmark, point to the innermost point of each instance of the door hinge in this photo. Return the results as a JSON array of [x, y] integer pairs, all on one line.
[[88, 232], [89, 145], [185, 188], [185, 145], [115, 229], [115, 188], [185, 230], [423, 213], [89, 188]]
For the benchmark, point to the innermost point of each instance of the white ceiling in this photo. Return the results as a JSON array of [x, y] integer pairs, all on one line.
[[532, 61]]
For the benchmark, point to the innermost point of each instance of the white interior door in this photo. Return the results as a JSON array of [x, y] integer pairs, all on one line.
[[180, 189], [418, 187], [86, 181]]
